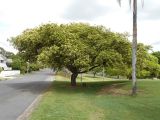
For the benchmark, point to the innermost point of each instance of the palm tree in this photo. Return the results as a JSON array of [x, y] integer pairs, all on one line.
[[134, 45]]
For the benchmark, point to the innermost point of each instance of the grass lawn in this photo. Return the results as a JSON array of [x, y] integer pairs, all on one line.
[[99, 100]]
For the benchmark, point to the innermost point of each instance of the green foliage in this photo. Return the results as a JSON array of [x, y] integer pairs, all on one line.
[[153, 66], [157, 54], [35, 66], [116, 71], [20, 64], [147, 64], [96, 70], [144, 74], [77, 47]]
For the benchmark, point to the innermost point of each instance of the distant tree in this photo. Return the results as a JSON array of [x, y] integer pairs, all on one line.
[[157, 54], [152, 66], [147, 64], [18, 63], [6, 53], [96, 71]]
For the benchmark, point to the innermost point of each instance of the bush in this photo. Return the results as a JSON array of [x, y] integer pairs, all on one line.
[[143, 74], [16, 65], [34, 67]]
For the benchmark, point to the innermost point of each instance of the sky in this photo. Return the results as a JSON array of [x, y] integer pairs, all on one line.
[[18, 15]]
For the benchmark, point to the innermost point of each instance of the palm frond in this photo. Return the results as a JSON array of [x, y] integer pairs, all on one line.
[[142, 1], [130, 3], [119, 1]]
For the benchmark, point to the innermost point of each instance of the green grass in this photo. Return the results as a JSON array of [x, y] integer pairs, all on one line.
[[99, 100]]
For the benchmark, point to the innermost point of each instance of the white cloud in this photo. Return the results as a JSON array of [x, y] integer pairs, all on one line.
[[85, 10]]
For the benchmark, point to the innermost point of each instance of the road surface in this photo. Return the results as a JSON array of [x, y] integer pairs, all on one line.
[[17, 94]]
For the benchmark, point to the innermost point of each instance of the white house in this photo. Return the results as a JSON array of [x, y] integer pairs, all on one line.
[[7, 71], [3, 61]]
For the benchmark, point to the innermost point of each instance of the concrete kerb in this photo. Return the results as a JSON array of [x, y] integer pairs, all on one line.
[[25, 115]]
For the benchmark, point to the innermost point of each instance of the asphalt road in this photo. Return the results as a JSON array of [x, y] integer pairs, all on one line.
[[17, 94]]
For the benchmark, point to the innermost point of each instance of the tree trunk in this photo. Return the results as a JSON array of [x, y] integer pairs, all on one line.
[[73, 79], [134, 48], [129, 77]]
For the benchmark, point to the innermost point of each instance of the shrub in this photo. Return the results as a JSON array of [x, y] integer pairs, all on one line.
[[34, 67]]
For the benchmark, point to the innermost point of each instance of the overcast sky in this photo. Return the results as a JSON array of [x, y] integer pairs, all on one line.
[[18, 15]]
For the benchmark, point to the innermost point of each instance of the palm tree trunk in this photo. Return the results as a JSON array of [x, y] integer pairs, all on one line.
[[134, 48]]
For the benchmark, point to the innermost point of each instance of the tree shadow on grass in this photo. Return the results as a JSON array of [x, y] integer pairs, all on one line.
[[87, 87]]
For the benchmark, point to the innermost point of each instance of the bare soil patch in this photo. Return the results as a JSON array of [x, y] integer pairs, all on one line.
[[116, 90]]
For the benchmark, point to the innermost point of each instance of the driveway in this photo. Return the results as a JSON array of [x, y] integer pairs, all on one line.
[[17, 94]]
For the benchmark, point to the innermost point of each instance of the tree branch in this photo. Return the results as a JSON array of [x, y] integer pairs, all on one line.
[[89, 69]]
